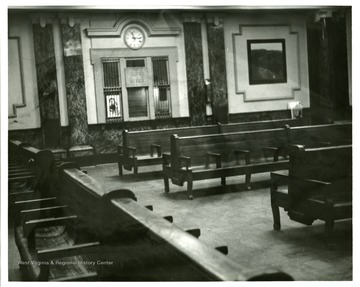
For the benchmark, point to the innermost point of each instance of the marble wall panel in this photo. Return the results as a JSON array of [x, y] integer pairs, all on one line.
[[31, 136], [75, 84], [46, 72], [217, 65], [106, 137], [194, 73], [47, 84]]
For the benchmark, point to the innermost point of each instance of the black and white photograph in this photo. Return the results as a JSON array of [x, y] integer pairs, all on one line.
[[188, 143]]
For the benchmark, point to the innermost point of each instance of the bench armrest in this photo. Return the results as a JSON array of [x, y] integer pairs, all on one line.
[[158, 149], [314, 187], [186, 160], [275, 151], [132, 151], [34, 203], [278, 179], [78, 249], [38, 213], [245, 153], [166, 158], [210, 155]]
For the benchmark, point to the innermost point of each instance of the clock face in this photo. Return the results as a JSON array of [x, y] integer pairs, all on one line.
[[134, 38]]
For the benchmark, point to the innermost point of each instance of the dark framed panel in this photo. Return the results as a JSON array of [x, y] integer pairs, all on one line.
[[266, 61]]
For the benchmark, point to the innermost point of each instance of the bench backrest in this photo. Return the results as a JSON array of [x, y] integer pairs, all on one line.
[[311, 136], [259, 125], [112, 216], [39, 161], [196, 147], [85, 197], [325, 163], [332, 165], [142, 139], [208, 263]]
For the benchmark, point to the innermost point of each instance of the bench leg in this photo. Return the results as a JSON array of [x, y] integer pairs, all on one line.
[[276, 155], [248, 181], [166, 183], [120, 169], [248, 175], [329, 227], [276, 216], [44, 273], [223, 181], [190, 186], [135, 169]]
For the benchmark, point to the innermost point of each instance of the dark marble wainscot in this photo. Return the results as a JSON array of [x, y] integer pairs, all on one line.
[[31, 136], [269, 115], [106, 137]]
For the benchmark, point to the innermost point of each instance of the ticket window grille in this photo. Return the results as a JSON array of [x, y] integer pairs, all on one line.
[[161, 87], [112, 89]]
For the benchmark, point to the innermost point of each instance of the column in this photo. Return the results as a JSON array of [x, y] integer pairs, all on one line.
[[75, 89], [194, 70], [47, 84], [217, 64]]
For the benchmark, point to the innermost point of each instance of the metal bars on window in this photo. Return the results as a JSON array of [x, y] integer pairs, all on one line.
[[112, 89], [161, 87]]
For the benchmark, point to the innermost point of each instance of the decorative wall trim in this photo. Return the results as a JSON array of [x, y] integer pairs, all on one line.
[[193, 18], [22, 87], [145, 23], [44, 18], [215, 18], [243, 92]]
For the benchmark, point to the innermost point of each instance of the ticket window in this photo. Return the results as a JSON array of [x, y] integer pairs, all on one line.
[[138, 102], [136, 88]]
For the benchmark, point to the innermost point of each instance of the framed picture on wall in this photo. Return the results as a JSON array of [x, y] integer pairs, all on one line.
[[267, 61]]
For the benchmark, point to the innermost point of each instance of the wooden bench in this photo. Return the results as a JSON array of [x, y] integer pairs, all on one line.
[[18, 164], [126, 241], [318, 186], [190, 259], [144, 246], [29, 178], [143, 148], [70, 224], [191, 157]]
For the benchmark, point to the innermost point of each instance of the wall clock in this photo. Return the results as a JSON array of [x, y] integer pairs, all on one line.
[[134, 38]]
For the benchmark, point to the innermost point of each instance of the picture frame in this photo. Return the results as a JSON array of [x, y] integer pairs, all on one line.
[[267, 61]]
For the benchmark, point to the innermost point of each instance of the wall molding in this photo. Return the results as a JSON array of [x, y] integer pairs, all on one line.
[[145, 23], [22, 84], [236, 64]]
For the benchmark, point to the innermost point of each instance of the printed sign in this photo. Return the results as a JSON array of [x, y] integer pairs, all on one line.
[[136, 77]]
